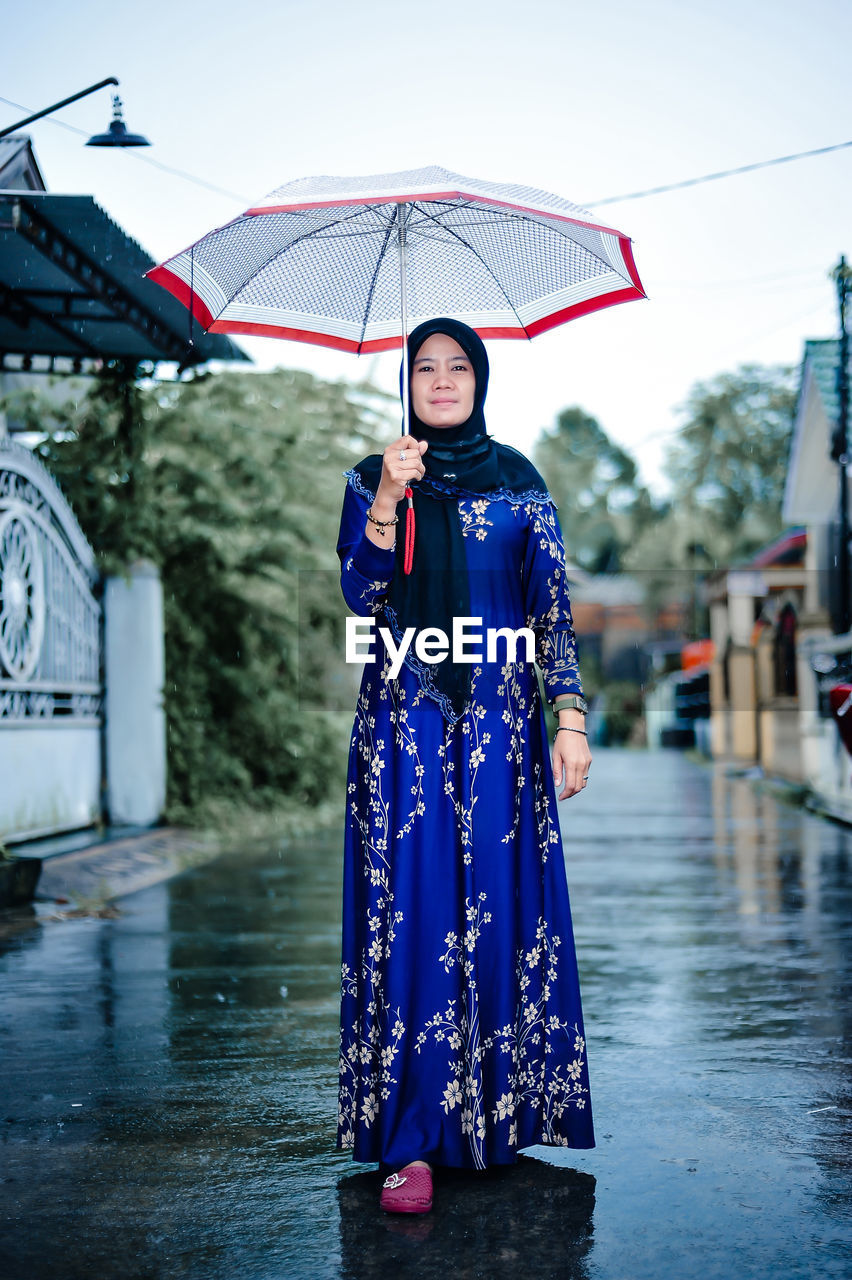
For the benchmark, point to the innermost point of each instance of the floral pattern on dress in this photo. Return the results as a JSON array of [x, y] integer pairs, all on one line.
[[540, 1045], [473, 521], [541, 1078], [452, 866], [370, 1045], [478, 739], [552, 621], [458, 1025]]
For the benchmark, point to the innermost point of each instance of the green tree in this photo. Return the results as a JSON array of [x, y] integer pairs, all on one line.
[[232, 484], [730, 459], [95, 443], [595, 483], [726, 472]]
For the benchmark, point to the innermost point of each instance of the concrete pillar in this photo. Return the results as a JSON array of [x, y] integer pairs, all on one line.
[[741, 618], [743, 703], [719, 712], [719, 630], [134, 659], [813, 730], [719, 708]]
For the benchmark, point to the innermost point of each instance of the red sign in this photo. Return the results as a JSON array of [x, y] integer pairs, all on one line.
[[840, 700]]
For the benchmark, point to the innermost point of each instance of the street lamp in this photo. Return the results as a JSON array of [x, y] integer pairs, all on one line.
[[116, 135]]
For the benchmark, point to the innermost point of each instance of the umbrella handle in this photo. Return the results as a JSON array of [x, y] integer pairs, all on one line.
[[403, 299], [408, 562]]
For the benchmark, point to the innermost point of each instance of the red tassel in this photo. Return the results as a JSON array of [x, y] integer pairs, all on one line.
[[408, 562]]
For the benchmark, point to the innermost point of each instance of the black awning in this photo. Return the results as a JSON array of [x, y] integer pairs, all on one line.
[[72, 284]]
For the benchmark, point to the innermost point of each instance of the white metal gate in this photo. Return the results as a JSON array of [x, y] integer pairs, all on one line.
[[50, 657]]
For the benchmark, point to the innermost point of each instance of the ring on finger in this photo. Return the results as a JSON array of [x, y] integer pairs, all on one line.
[[402, 455]]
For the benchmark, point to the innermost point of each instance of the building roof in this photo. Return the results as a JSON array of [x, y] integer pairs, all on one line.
[[72, 284], [823, 355], [787, 549], [18, 168], [779, 563], [811, 486]]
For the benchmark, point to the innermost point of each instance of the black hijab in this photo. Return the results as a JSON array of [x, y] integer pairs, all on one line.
[[464, 455], [462, 458]]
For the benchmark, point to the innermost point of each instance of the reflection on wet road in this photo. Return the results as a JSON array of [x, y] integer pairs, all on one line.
[[168, 1078]]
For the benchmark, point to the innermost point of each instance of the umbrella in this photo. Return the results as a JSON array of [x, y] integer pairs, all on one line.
[[349, 262]]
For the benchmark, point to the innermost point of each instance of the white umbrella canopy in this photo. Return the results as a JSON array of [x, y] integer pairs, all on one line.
[[351, 263]]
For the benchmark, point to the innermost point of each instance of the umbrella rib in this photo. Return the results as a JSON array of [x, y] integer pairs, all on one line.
[[279, 253], [372, 288], [532, 219], [480, 258]]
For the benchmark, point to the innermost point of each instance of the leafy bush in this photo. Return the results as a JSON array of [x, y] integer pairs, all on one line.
[[231, 483]]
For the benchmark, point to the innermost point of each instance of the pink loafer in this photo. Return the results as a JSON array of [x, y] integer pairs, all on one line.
[[409, 1191]]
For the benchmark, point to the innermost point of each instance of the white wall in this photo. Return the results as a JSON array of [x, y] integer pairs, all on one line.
[[134, 661], [50, 778]]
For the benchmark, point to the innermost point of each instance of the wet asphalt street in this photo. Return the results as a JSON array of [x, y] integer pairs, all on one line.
[[168, 1077]]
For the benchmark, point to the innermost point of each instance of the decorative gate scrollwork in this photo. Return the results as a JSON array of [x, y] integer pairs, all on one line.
[[49, 615], [21, 596]]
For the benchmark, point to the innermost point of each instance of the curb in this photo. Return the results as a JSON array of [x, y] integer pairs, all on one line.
[[91, 877]]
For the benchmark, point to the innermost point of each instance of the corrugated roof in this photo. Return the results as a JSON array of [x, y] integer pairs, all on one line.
[[787, 549], [811, 486], [824, 357], [72, 283]]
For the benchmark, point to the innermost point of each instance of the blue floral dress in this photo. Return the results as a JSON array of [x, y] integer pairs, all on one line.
[[461, 1034]]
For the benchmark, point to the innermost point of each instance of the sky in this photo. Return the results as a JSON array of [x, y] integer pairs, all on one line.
[[585, 100]]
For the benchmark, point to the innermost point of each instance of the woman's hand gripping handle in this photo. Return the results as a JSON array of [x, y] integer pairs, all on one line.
[[402, 464]]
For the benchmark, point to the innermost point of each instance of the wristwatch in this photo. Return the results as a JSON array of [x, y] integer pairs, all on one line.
[[567, 702]]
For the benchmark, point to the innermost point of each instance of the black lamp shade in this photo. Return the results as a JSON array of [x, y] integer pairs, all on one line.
[[117, 135]]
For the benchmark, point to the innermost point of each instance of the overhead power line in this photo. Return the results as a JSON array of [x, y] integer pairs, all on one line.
[[586, 204], [714, 177], [146, 159]]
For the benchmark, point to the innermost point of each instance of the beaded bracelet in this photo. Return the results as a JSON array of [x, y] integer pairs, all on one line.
[[381, 525]]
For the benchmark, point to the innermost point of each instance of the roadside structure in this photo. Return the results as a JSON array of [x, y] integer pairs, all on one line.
[[617, 634], [82, 732], [756, 609], [677, 705], [623, 642], [823, 651], [779, 676]]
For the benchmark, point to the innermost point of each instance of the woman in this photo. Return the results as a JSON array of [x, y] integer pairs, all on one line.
[[461, 1028]]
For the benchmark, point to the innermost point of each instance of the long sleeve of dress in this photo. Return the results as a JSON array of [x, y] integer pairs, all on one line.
[[365, 569], [548, 604]]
